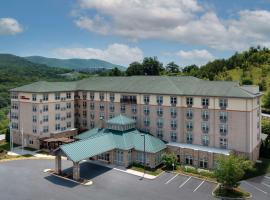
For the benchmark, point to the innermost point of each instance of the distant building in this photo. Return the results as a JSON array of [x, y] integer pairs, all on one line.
[[198, 119]]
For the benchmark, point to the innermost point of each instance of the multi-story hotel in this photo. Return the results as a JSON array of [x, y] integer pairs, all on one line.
[[198, 119]]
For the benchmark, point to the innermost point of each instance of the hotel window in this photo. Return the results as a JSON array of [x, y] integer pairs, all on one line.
[[92, 115], [92, 124], [135, 118], [189, 126], [189, 113], [160, 123], [188, 160], [160, 133], [173, 124], [84, 104], [57, 127], [223, 116], [34, 97], [57, 96], [205, 114], [45, 108], [203, 163], [111, 107], [205, 140], [159, 100], [14, 125], [223, 103], [146, 99], [173, 101], [205, 102], [14, 95], [45, 129], [34, 129], [92, 96], [146, 121], [68, 124], [123, 108], [31, 141], [84, 123], [159, 111], [68, 95], [14, 106], [134, 108], [57, 116], [57, 106], [173, 112], [68, 105], [45, 118], [84, 114], [205, 127], [189, 138], [146, 110], [223, 143], [112, 97], [173, 136], [34, 118], [189, 101], [101, 106], [101, 115], [223, 129], [92, 106], [45, 97], [111, 115], [84, 95], [69, 115], [34, 108], [101, 96]]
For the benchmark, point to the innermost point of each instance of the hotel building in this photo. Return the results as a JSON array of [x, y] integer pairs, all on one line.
[[197, 119]]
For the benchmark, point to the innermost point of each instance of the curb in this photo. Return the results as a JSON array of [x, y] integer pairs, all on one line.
[[229, 198]]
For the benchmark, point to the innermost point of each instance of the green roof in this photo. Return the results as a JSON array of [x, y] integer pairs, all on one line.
[[102, 140], [121, 120], [178, 85]]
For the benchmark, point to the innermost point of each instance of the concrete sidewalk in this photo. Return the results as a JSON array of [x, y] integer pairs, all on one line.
[[19, 151]]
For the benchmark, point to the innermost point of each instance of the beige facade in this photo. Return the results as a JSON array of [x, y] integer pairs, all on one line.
[[234, 126]]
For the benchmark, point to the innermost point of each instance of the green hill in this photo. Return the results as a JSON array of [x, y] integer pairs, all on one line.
[[75, 64]]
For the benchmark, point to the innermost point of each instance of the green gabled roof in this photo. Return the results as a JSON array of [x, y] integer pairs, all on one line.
[[87, 134], [178, 85], [105, 140], [121, 120]]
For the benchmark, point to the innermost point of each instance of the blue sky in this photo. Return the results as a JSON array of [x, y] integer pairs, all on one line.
[[122, 31]]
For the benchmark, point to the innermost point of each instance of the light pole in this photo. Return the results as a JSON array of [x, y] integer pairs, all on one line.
[[144, 163]]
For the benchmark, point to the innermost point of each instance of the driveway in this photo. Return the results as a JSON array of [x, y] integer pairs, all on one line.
[[24, 180]]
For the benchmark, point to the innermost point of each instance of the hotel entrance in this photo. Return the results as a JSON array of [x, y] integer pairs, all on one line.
[[104, 157]]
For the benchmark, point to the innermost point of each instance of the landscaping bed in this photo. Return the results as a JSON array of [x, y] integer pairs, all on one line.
[[235, 193], [140, 168]]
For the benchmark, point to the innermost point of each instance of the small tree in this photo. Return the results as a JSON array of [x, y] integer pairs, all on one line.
[[230, 170], [266, 100], [169, 159]]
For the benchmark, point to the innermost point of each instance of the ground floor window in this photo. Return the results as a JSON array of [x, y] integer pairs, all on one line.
[[189, 160], [119, 157], [130, 156], [203, 163], [140, 157], [104, 156]]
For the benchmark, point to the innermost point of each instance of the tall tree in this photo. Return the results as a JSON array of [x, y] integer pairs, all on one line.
[[172, 68], [151, 66], [135, 68]]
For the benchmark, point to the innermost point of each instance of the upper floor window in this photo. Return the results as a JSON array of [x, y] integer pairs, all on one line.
[[57, 116], [146, 99], [34, 108], [45, 97], [223, 116], [112, 97], [205, 140], [173, 112], [68, 115], [223, 129], [68, 95], [84, 104], [189, 113], [84, 95], [45, 118], [68, 105], [84, 113], [92, 115], [189, 101], [134, 108], [173, 136], [14, 95], [34, 97], [146, 121], [146, 110], [101, 106], [111, 107], [223, 143], [159, 111], [68, 124], [223, 103], [173, 101], [159, 100], [123, 108], [57, 96], [45, 129], [189, 125], [45, 108], [189, 138], [205, 127], [160, 133], [34, 118], [92, 96], [205, 102], [92, 106], [57, 127], [14, 106], [205, 114], [101, 96], [160, 123], [57, 106], [173, 124]]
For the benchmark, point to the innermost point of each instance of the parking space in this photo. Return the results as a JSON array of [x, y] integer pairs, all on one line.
[[258, 186]]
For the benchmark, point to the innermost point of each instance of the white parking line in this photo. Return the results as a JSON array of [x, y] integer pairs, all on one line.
[[171, 179], [198, 186], [267, 177], [267, 185], [255, 187], [184, 182]]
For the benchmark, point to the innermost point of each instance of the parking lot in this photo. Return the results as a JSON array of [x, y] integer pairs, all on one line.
[[258, 186], [25, 180]]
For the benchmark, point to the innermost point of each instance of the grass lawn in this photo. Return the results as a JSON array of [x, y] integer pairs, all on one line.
[[233, 193], [29, 149], [149, 171], [4, 145], [200, 173], [259, 169]]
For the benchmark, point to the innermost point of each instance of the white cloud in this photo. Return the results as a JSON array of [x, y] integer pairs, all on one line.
[[184, 21], [10, 26], [195, 54], [115, 53]]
